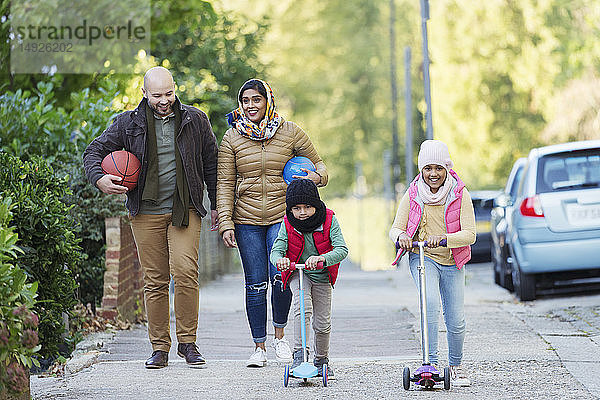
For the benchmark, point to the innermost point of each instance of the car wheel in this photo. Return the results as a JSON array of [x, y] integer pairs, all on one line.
[[524, 284], [506, 280], [497, 266], [497, 277]]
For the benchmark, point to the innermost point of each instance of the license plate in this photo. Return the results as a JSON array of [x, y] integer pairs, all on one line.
[[583, 215]]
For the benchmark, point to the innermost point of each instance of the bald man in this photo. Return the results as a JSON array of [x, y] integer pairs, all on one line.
[[177, 149]]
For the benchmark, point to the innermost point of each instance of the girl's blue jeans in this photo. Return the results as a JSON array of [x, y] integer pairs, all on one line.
[[448, 283], [254, 245]]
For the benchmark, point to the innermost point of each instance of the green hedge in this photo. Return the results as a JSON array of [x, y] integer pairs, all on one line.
[[18, 335], [50, 249], [33, 125]]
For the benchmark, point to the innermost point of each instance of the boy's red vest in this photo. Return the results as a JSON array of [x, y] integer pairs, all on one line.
[[461, 255], [296, 247]]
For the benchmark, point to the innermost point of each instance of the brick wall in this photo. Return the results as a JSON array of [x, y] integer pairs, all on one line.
[[123, 279]]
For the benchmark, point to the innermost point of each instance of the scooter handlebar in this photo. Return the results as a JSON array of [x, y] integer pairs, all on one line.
[[294, 265], [443, 243]]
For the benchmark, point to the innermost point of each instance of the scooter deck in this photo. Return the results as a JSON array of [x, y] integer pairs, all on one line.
[[304, 370]]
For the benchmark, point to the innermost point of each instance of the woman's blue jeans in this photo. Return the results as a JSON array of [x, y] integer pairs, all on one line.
[[448, 283], [254, 244]]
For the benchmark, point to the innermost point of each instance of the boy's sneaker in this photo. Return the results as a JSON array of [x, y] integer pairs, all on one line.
[[298, 358], [282, 350], [319, 364], [258, 358], [458, 377]]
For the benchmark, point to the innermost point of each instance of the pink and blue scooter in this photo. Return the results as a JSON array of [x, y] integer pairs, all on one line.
[[426, 376], [305, 370]]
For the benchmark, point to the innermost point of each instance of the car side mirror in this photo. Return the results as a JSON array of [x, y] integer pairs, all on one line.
[[503, 200]]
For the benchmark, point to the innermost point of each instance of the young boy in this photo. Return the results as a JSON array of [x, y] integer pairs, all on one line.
[[310, 234]]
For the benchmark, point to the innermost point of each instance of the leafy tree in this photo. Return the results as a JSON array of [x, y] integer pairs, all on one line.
[[498, 68], [500, 72], [328, 67], [210, 54], [63, 84], [575, 112], [572, 110]]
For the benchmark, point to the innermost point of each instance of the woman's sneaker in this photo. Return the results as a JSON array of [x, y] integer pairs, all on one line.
[[282, 350], [258, 358], [458, 378]]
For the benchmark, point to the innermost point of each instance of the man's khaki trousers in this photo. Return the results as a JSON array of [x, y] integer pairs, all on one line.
[[166, 250]]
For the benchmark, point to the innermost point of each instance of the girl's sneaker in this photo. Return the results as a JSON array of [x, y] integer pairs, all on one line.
[[258, 358], [282, 350], [458, 378]]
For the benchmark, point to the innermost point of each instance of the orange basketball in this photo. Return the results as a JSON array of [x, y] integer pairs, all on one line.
[[124, 164]]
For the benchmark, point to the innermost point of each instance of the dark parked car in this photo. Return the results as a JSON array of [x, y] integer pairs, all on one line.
[[553, 226], [503, 205], [483, 202]]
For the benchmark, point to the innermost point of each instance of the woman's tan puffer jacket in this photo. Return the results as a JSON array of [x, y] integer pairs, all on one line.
[[250, 186]]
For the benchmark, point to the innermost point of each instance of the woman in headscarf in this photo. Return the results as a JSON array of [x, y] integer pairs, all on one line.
[[251, 204]]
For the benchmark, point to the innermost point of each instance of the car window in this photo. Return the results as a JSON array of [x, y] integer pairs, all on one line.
[[571, 170], [515, 184], [483, 206], [521, 183]]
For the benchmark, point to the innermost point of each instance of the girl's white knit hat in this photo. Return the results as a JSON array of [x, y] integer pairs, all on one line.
[[434, 152]]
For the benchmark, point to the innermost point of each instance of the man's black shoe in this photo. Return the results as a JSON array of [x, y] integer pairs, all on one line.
[[159, 359], [189, 351]]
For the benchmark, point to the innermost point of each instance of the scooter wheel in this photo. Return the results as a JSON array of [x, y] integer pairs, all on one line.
[[325, 375], [406, 378], [286, 375], [447, 378]]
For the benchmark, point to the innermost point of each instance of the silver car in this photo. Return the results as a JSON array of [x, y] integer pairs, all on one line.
[[554, 233], [483, 203], [501, 216]]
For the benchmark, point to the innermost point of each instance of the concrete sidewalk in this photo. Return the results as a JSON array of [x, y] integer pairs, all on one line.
[[375, 334]]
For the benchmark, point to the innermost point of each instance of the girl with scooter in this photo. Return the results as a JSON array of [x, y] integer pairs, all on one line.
[[437, 207]]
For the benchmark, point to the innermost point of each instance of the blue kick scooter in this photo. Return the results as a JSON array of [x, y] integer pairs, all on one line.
[[426, 376], [305, 370]]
